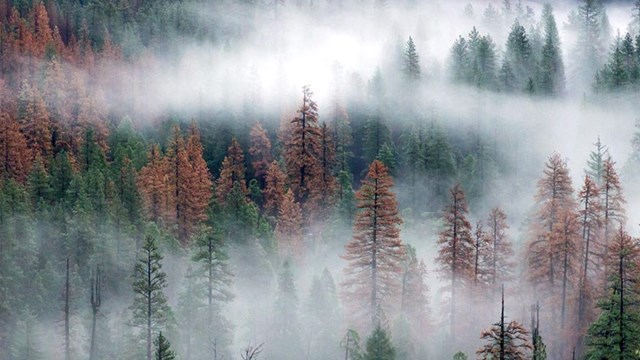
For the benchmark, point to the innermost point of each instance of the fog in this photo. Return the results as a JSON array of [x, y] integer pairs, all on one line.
[[255, 72]]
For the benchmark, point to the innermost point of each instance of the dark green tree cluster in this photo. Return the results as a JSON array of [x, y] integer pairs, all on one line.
[[622, 70]]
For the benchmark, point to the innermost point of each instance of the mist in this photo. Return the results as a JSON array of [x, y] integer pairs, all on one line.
[[225, 66]]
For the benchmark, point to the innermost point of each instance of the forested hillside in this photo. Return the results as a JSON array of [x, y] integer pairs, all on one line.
[[328, 179]]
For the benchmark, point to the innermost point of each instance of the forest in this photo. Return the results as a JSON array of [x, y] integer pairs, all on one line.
[[319, 179]]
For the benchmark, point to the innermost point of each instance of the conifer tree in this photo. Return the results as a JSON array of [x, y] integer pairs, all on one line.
[[411, 66], [327, 182], [595, 164], [288, 229], [260, 152], [231, 172], [153, 185], [505, 340], [302, 152], [35, 122], [163, 348], [456, 254], [379, 345], [200, 182], [616, 334], [15, 156], [376, 251], [551, 77], [285, 326], [612, 201], [151, 312], [501, 258], [274, 191], [179, 175]]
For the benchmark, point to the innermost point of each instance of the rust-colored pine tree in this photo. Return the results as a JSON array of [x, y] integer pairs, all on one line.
[[15, 156], [481, 258], [153, 185], [501, 264], [456, 254], [554, 194], [566, 246], [179, 174], [288, 230], [302, 152], [375, 254], [231, 172], [326, 182], [43, 34], [612, 201], [34, 122], [200, 185], [591, 224], [274, 189], [260, 152]]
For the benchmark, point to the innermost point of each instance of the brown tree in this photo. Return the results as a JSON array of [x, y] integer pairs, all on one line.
[[34, 122], [302, 152], [288, 230], [260, 152], [456, 254], [501, 258], [15, 156], [231, 172], [375, 253], [274, 189], [153, 185], [612, 201], [200, 188], [179, 175], [327, 183]]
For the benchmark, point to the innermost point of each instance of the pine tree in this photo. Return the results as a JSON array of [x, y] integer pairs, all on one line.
[[414, 302], [151, 312], [274, 191], [351, 345], [285, 327], [379, 346], [411, 66], [588, 51], [505, 341], [302, 152], [231, 172], [163, 348], [327, 183], [456, 254], [153, 185], [519, 55], [591, 224], [595, 164], [288, 231], [260, 152], [35, 122], [538, 348], [212, 284], [376, 251], [502, 264], [616, 334], [200, 182], [612, 201], [15, 156], [322, 317], [551, 78], [179, 174]]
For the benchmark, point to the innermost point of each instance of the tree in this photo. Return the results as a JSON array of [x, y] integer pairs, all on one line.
[[501, 267], [595, 164], [15, 156], [456, 253], [288, 230], [616, 334], [414, 302], [551, 78], [96, 302], [35, 122], [212, 282], [260, 152], [588, 51], [200, 182], [591, 224], [379, 346], [505, 341], [327, 183], [163, 348], [538, 348], [274, 191], [411, 66], [231, 172], [302, 152], [519, 55], [612, 201], [351, 345], [376, 252], [285, 327], [322, 317], [153, 185], [151, 312]]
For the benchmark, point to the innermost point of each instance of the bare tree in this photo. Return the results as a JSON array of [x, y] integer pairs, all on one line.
[[251, 353]]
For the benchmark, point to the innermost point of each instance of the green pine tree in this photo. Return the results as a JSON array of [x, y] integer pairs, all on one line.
[[163, 348], [379, 346]]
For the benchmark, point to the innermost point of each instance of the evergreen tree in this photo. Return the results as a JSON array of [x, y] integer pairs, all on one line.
[[376, 251], [455, 256], [595, 164], [615, 334], [163, 348], [285, 326], [411, 66], [379, 346], [551, 78], [151, 312], [519, 54]]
